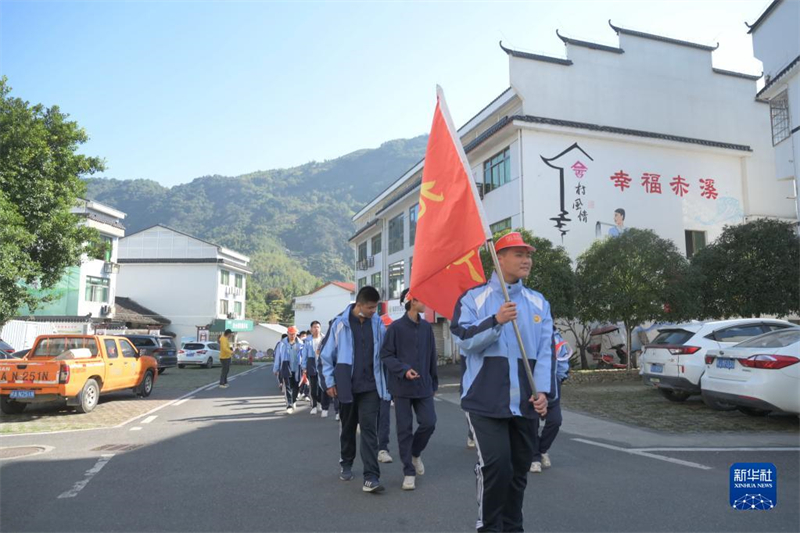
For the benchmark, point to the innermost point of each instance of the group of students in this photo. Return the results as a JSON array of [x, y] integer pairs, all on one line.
[[365, 366]]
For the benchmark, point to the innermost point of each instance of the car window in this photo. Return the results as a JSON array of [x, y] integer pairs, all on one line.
[[126, 348], [167, 343], [5, 346], [776, 327], [738, 333], [51, 347], [213, 346], [672, 336], [111, 348], [774, 339], [142, 342], [193, 346]]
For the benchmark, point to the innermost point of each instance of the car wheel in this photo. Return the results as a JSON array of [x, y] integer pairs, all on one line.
[[209, 363], [674, 395], [146, 386], [161, 371], [90, 395], [718, 405], [11, 407], [181, 366], [752, 411]]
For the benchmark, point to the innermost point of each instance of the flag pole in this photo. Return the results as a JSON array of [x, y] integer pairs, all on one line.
[[525, 362]]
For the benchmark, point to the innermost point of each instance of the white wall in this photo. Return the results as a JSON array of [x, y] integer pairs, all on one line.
[[775, 41], [327, 303], [261, 338], [163, 243]]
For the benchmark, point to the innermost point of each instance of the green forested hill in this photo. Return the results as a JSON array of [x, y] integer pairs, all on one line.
[[294, 223]]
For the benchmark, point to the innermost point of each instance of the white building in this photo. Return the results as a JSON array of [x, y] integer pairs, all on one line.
[[777, 45], [323, 304], [88, 289], [648, 126], [191, 282], [264, 337]]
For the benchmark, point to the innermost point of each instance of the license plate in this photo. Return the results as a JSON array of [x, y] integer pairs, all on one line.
[[22, 394], [657, 368], [730, 364]]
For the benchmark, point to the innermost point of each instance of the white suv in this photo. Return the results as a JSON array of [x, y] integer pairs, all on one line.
[[205, 353], [675, 360]]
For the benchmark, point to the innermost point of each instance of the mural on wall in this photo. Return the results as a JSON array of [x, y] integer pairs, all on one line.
[[729, 211], [579, 205]]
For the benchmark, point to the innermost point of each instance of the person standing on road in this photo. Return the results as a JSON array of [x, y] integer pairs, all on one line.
[[409, 354], [310, 359], [225, 353], [496, 394], [552, 422], [326, 400], [287, 366], [354, 374]]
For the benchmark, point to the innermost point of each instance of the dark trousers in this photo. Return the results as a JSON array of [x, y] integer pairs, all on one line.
[[552, 423], [362, 411], [327, 401], [411, 444], [290, 390], [226, 366], [313, 384], [505, 452], [384, 423]]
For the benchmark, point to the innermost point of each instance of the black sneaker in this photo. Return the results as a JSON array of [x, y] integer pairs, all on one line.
[[346, 474], [372, 486]]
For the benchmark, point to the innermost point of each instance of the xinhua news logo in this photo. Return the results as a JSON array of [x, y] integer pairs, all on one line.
[[753, 486]]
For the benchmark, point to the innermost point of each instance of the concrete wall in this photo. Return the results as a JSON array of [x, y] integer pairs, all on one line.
[[327, 303]]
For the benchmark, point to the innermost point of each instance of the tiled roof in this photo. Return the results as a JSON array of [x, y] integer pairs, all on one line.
[[779, 75], [151, 260], [662, 38], [593, 46], [737, 74], [763, 16], [494, 128], [127, 310], [350, 287], [535, 57]]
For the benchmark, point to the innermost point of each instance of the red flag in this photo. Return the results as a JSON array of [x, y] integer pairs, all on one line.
[[451, 225]]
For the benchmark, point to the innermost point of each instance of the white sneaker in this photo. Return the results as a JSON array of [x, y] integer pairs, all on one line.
[[325, 413], [546, 461], [470, 443], [536, 467], [409, 483], [418, 466], [294, 405], [289, 410], [384, 457], [337, 417], [314, 411]]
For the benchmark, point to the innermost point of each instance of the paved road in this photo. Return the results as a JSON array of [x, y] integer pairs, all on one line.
[[231, 460]]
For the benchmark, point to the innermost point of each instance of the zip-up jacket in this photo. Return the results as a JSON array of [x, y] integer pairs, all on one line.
[[410, 345], [287, 359], [338, 352], [494, 383], [309, 357]]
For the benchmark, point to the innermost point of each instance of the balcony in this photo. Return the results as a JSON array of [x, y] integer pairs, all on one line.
[[365, 264]]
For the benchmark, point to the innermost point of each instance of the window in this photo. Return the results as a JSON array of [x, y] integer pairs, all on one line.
[[126, 348], [223, 307], [779, 111], [695, 240], [672, 336], [96, 289], [239, 280], [396, 279], [237, 308], [396, 234], [108, 243], [738, 333], [362, 252], [376, 244], [225, 277], [51, 347], [143, 342], [362, 282], [111, 348], [166, 342], [497, 171], [500, 226], [376, 281], [213, 346], [781, 339], [412, 224]]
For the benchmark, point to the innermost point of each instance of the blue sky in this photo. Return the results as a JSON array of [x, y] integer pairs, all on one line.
[[174, 90]]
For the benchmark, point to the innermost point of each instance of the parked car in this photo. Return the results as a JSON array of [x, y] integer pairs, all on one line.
[[201, 353], [74, 368], [19, 354], [758, 376], [5, 349], [161, 347], [675, 360]]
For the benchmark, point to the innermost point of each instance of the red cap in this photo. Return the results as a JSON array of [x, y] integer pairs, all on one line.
[[292, 329], [512, 240]]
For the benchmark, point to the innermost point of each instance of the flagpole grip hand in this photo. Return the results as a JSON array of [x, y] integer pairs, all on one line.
[[507, 313], [539, 403]]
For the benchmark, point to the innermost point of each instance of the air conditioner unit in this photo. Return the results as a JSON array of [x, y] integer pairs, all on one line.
[[110, 268], [105, 310]]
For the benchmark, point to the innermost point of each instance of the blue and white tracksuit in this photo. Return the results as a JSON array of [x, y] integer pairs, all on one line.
[[552, 422], [496, 393], [287, 359]]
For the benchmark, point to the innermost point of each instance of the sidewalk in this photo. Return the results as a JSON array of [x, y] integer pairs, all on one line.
[[591, 427]]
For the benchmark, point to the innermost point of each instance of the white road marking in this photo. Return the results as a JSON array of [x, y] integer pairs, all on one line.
[[149, 419], [80, 485], [181, 402], [645, 454], [764, 449], [136, 428]]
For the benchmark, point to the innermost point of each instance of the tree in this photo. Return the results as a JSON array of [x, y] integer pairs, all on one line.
[[635, 278], [40, 173], [751, 270]]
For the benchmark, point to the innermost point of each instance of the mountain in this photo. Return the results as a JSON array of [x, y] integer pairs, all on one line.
[[294, 223]]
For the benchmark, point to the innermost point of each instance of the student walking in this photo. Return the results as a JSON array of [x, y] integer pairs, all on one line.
[[287, 366], [552, 422]]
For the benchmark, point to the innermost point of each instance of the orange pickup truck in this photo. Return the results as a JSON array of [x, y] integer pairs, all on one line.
[[75, 368]]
